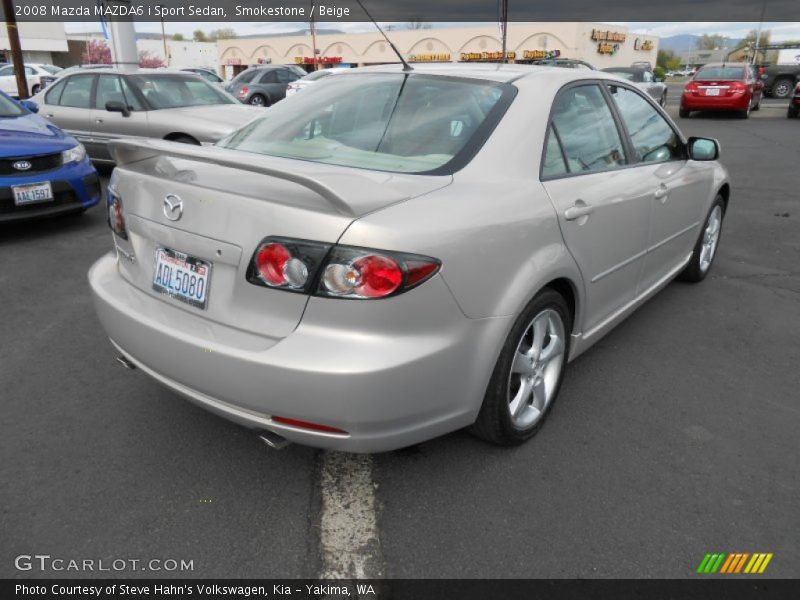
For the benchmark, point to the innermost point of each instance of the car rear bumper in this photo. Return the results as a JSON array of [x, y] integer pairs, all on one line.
[[390, 373], [76, 187], [693, 102]]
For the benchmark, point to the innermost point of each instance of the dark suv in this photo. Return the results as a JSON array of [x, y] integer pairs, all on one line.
[[264, 85]]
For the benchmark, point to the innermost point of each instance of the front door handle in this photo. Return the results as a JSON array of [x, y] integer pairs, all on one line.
[[98, 120], [49, 115], [661, 192], [578, 210]]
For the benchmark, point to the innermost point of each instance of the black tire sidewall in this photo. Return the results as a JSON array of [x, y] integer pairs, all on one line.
[[494, 422], [693, 273]]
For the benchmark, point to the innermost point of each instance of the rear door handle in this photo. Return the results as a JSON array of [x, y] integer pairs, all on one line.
[[98, 120], [661, 192], [577, 211]]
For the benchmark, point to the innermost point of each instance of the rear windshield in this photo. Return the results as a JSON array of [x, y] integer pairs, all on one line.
[[175, 91], [720, 73], [404, 123], [52, 69], [629, 75]]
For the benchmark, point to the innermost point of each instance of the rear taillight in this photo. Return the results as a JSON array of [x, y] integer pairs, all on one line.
[[308, 425], [116, 220], [691, 87], [244, 91], [738, 88], [337, 271]]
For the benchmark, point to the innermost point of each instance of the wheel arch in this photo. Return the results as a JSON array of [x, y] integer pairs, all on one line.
[[179, 134], [725, 192]]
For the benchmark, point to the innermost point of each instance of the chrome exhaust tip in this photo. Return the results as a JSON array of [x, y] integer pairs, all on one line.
[[273, 440], [126, 363]]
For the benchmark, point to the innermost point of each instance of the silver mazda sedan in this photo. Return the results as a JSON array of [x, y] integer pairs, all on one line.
[[403, 253]]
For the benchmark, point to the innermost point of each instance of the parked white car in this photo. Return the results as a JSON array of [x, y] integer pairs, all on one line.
[[33, 74], [312, 78]]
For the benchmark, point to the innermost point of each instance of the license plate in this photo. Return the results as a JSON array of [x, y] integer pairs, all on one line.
[[182, 277], [712, 92], [32, 192]]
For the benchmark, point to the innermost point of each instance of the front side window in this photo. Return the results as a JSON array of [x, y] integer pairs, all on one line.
[[587, 130], [175, 91], [286, 76], [7, 71], [77, 91], [386, 122], [652, 137]]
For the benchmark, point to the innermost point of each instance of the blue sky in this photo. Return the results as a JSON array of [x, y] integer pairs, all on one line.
[[780, 31]]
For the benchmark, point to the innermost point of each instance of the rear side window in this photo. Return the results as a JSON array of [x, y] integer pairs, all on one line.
[[268, 77], [652, 137], [587, 131], [77, 91], [286, 76], [553, 164], [53, 96], [245, 77]]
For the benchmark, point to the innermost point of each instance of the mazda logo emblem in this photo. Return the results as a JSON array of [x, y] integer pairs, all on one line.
[[173, 207], [22, 165]]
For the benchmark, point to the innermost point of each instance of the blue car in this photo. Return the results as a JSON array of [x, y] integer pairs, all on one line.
[[43, 171]]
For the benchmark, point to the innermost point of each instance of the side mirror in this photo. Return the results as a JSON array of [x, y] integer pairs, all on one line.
[[117, 106], [703, 148], [30, 105]]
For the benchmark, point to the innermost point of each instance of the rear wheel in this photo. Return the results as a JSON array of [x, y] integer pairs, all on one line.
[[35, 89], [663, 100], [258, 100], [782, 88], [684, 113], [758, 104], [706, 247], [793, 111], [528, 373], [745, 114]]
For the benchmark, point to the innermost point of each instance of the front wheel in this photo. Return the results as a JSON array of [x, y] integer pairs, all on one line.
[[706, 247], [527, 376], [782, 89]]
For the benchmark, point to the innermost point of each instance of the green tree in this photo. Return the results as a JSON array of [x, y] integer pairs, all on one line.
[[222, 34], [200, 36], [178, 37]]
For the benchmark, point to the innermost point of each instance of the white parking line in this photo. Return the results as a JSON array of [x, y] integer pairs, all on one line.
[[349, 543]]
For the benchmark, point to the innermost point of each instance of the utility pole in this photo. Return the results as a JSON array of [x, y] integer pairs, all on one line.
[[16, 50], [758, 32], [164, 39], [313, 38], [504, 26]]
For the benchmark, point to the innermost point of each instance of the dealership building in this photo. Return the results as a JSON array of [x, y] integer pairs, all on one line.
[[600, 44]]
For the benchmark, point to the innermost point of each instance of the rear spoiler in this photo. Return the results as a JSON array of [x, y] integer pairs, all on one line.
[[130, 151]]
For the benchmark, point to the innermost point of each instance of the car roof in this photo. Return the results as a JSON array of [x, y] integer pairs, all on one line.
[[161, 71], [501, 73]]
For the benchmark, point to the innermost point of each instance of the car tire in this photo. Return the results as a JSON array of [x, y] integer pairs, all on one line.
[[663, 101], [758, 104], [745, 114], [684, 113], [705, 250], [258, 100], [782, 88], [524, 384], [36, 89], [793, 111]]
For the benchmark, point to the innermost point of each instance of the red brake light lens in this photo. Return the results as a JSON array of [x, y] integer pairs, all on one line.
[[337, 271], [244, 91], [308, 425]]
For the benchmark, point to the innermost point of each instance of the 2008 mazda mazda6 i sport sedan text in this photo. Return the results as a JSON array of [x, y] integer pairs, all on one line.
[[396, 255]]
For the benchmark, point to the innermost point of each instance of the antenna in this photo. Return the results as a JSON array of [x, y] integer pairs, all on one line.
[[406, 66]]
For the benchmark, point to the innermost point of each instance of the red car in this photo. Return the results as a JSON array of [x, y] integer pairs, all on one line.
[[723, 86], [794, 104]]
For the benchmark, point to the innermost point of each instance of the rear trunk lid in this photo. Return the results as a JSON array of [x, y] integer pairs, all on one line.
[[229, 202]]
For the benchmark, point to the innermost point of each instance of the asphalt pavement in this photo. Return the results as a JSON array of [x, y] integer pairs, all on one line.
[[676, 435]]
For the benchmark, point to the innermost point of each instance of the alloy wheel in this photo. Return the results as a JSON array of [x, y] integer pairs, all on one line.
[[708, 247], [536, 368]]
